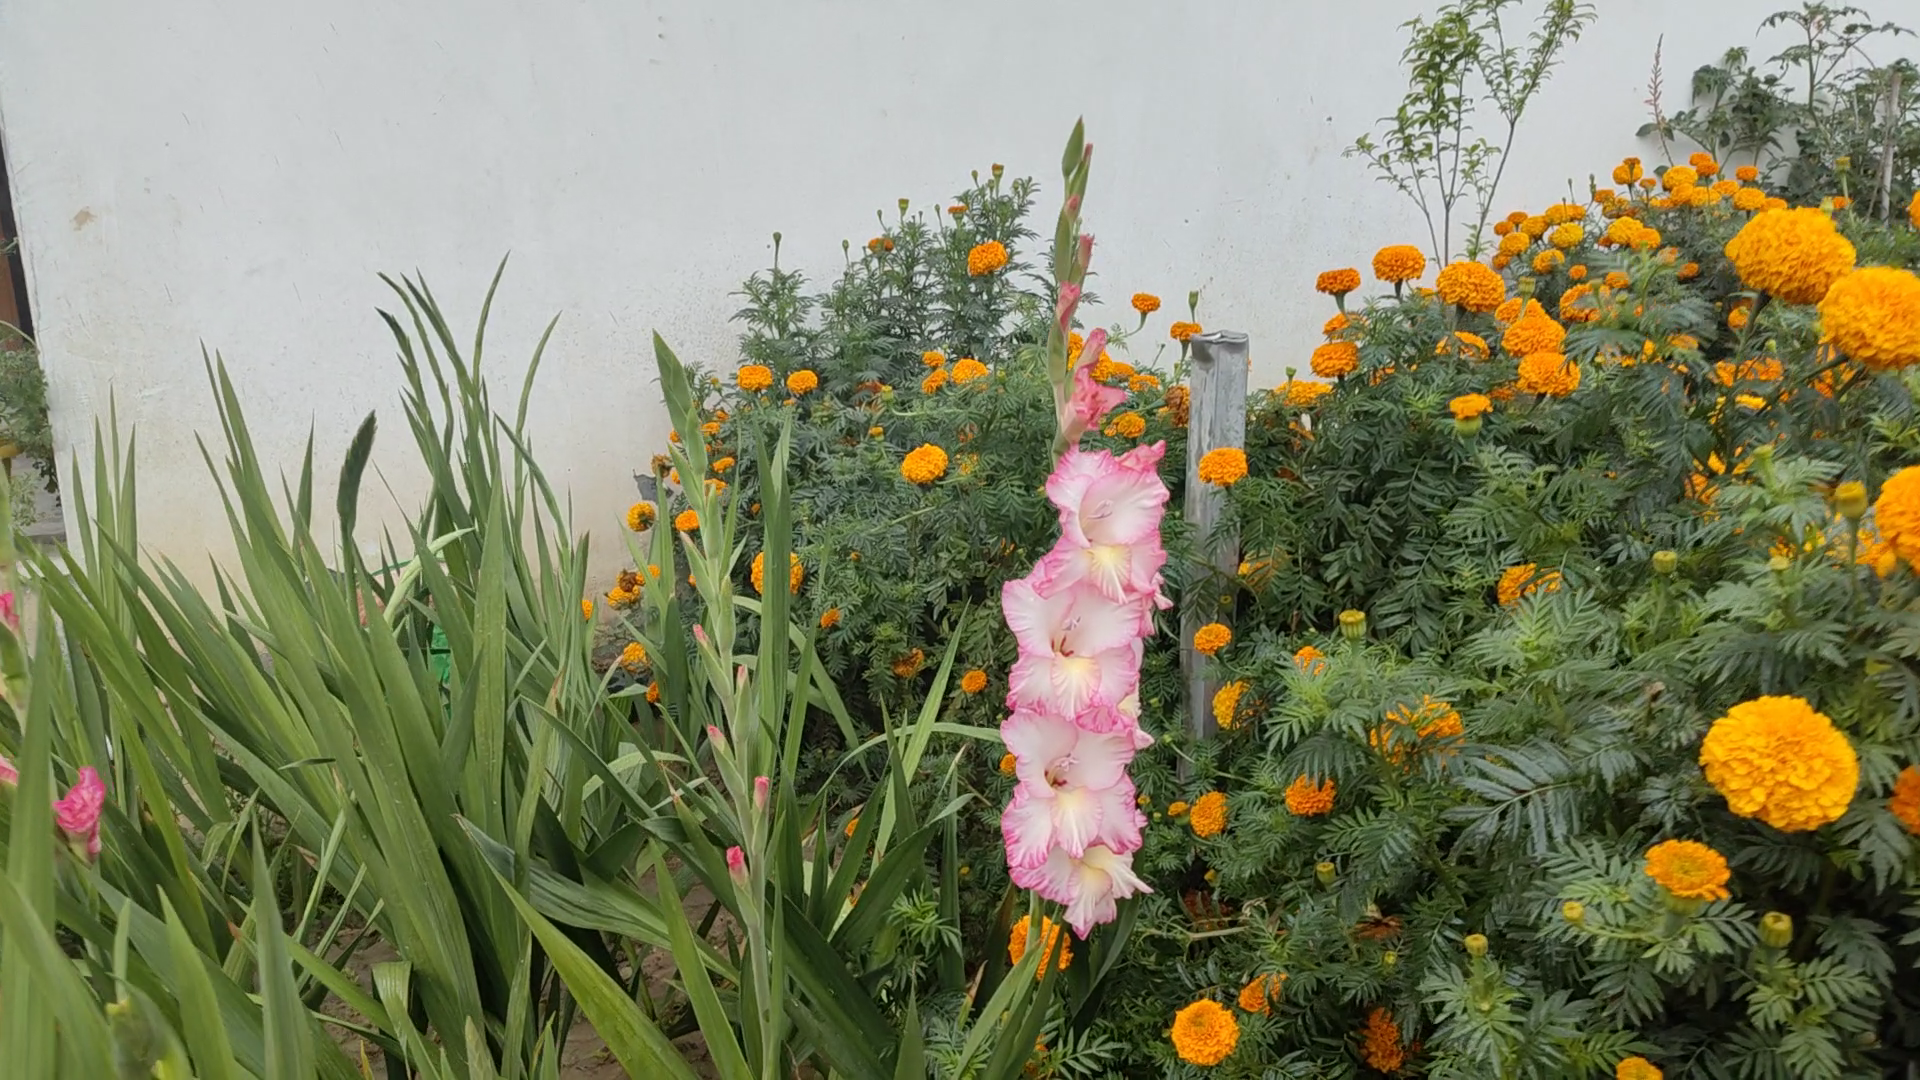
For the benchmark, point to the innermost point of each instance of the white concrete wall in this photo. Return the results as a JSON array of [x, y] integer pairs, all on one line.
[[236, 173]]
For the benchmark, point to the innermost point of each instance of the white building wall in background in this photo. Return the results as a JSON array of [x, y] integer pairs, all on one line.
[[236, 174]]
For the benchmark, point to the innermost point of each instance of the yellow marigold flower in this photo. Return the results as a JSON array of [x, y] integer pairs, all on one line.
[[1259, 995], [1627, 171], [1471, 346], [1471, 285], [1905, 803], [986, 258], [933, 358], [1211, 638], [973, 681], [795, 572], [1873, 316], [1514, 243], [1396, 263], [1380, 1040], [1616, 279], [1337, 282], [1749, 199], [1302, 394], [802, 382], [1531, 334], [1226, 703], [1549, 374], [1176, 808], [966, 369], [1209, 814], [1774, 202], [830, 618], [1639, 1068], [1688, 869], [1054, 943], [1533, 226], [909, 665], [1183, 331], [1008, 764], [1140, 383], [1145, 303], [754, 378], [1204, 1033], [1679, 176], [1333, 326], [1305, 798], [710, 428], [1128, 425], [1575, 305], [1776, 759], [1793, 254], [876, 431], [586, 608], [640, 516], [935, 379], [1223, 466], [686, 520], [1514, 307], [1548, 261], [1310, 660], [924, 464], [1725, 187], [1737, 318], [633, 657], [1468, 406], [1335, 359]]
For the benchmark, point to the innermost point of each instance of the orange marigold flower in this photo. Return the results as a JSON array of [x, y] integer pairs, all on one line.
[[1703, 164], [1774, 202], [973, 681], [1176, 808], [1678, 176], [1749, 199], [935, 379], [802, 382], [986, 258], [1737, 318], [1576, 304], [1548, 261], [1840, 202], [933, 358], [1514, 243], [1128, 425], [586, 608], [686, 520], [1333, 326], [1223, 466], [1211, 638], [1310, 660], [1009, 764], [1531, 334], [1725, 187], [1204, 1033], [1183, 331], [1226, 703], [1514, 307], [1688, 272], [1796, 255], [1179, 400], [1471, 285], [924, 464], [830, 618], [754, 378], [1052, 938], [1209, 814], [1432, 719], [795, 572], [1468, 406], [1337, 282], [1145, 303], [1142, 382], [876, 431], [1636, 1067], [1380, 1042], [1873, 316], [1259, 995], [1525, 580], [1335, 359], [1688, 869], [1471, 346], [1502, 228], [633, 657], [1776, 759], [1905, 803], [966, 369], [1397, 263], [909, 665], [640, 516], [1305, 798], [710, 428], [1302, 394], [1627, 171], [1913, 210], [1746, 174], [1577, 272], [1549, 374], [721, 465]]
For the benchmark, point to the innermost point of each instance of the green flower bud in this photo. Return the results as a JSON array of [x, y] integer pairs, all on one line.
[[1850, 499], [1665, 562], [1389, 959], [1324, 873], [1574, 912], [1353, 624], [903, 205], [1467, 426], [1776, 929], [1779, 564], [1476, 944]]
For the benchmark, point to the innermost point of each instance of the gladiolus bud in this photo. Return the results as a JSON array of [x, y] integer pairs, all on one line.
[[737, 865], [760, 786], [1353, 624], [717, 737], [700, 633], [1574, 912], [1850, 499], [1664, 562], [1086, 252], [1324, 873], [1476, 944], [1064, 307], [1073, 206], [1776, 929]]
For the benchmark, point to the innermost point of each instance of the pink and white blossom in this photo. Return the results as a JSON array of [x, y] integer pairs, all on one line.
[[78, 812], [1089, 885]]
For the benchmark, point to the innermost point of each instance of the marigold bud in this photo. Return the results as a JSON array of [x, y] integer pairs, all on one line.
[[1779, 564], [1776, 929], [1665, 562], [1353, 624], [1850, 499], [1842, 163], [1574, 912], [1389, 959], [1324, 873], [1467, 426], [1476, 945]]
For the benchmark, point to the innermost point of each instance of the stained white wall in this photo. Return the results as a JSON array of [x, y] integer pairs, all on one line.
[[236, 173]]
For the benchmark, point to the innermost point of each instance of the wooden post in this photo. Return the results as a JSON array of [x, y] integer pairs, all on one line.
[[1216, 417]]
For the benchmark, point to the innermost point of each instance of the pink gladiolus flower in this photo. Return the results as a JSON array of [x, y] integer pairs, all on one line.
[[7, 613], [1078, 649], [9, 775], [761, 786], [1088, 885], [1073, 791], [1105, 499], [1064, 307], [737, 865], [78, 813]]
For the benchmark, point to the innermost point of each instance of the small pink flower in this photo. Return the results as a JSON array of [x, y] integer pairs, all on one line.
[[1088, 885], [761, 786], [78, 813], [1090, 401], [7, 613], [9, 775], [699, 633], [1064, 307], [737, 865]]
